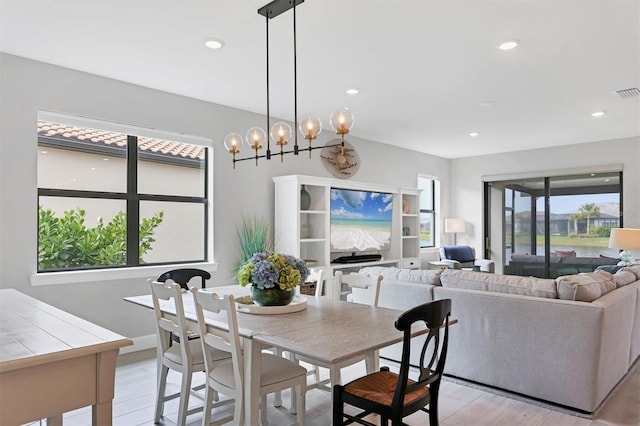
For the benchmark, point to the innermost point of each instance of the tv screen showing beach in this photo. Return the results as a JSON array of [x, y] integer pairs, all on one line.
[[360, 220]]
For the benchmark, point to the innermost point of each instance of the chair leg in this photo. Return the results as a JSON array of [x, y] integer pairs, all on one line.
[[209, 395], [277, 398], [300, 393], [238, 410], [294, 401], [263, 411], [433, 411], [338, 406], [161, 385], [185, 391]]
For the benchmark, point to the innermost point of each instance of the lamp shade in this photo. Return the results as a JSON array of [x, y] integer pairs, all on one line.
[[454, 224], [625, 239]]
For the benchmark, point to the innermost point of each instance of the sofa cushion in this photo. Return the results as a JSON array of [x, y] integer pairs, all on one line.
[[512, 284], [388, 273], [585, 287], [424, 276], [622, 278], [420, 276], [635, 268]]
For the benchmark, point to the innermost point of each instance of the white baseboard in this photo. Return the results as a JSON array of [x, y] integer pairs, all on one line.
[[140, 344]]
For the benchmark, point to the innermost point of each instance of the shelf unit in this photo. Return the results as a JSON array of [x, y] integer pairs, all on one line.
[[306, 233], [410, 254]]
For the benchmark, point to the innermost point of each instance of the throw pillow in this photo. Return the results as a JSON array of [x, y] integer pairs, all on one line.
[[622, 278], [635, 268], [585, 287]]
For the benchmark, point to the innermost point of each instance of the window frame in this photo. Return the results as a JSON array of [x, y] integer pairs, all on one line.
[[432, 211], [132, 268]]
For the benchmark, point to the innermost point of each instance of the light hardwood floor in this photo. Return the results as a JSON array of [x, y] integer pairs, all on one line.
[[459, 404]]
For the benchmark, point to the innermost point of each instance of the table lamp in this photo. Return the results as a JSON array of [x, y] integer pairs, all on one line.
[[625, 240]]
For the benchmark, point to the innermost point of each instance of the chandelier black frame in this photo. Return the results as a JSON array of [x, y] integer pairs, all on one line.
[[341, 120]]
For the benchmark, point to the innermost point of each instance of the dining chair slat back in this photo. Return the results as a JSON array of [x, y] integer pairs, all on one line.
[[228, 377], [184, 356], [224, 340]]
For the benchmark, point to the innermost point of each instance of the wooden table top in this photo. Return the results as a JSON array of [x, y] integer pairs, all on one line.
[[34, 333], [327, 330]]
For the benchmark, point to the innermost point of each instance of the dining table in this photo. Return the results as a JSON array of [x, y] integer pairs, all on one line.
[[326, 330], [52, 362]]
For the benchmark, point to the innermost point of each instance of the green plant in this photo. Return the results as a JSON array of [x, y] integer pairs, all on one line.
[[255, 237], [66, 242]]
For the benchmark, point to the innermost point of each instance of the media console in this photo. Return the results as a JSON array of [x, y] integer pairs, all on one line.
[[306, 232], [358, 258]]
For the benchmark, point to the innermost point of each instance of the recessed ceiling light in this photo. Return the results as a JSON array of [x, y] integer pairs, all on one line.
[[597, 114], [508, 45], [486, 103], [474, 134], [44, 152], [352, 91], [214, 43]]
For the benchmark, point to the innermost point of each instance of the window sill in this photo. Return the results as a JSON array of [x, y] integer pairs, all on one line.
[[79, 277]]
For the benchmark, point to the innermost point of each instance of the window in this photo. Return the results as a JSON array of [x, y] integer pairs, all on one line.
[[109, 198], [546, 219], [427, 211]]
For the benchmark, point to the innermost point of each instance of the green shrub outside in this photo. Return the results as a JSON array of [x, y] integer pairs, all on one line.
[[66, 242]]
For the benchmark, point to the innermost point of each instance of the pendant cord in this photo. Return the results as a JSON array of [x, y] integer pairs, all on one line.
[[268, 114], [295, 81]]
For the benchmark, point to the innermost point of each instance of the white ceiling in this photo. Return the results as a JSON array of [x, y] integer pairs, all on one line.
[[423, 67]]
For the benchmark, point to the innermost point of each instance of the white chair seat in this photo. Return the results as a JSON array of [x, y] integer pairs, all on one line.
[[174, 353], [274, 370]]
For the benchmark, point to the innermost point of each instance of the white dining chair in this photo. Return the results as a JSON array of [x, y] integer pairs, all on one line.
[[277, 373], [317, 275], [183, 355], [358, 288]]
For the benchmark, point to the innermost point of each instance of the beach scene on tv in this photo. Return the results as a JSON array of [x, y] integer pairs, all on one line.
[[360, 220]]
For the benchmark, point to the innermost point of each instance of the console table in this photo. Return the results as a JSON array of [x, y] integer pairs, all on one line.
[[52, 362]]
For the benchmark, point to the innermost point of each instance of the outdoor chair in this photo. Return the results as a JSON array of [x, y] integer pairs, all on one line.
[[464, 257]]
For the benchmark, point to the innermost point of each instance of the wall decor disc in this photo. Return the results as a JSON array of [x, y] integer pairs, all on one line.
[[341, 166]]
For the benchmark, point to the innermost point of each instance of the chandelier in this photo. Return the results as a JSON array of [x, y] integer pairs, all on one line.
[[280, 133]]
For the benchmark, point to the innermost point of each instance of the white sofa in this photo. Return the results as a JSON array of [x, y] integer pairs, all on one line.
[[514, 333]]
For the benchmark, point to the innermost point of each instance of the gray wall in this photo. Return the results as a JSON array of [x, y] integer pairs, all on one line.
[[26, 86]]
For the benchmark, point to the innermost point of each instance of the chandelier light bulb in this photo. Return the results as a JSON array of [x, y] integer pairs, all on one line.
[[255, 138], [232, 142], [310, 127], [280, 133], [341, 121]]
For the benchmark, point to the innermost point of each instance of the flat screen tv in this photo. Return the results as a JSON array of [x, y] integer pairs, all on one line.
[[360, 220]]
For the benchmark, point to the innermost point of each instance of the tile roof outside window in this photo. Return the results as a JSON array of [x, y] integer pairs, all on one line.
[[98, 137]]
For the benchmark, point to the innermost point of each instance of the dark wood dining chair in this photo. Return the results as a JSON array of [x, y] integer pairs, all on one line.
[[394, 396], [183, 276]]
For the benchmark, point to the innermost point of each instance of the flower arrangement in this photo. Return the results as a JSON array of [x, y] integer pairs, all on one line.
[[267, 270]]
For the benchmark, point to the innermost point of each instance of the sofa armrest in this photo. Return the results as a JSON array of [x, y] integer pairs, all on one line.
[[485, 265]]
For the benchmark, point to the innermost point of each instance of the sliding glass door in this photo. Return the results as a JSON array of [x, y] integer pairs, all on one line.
[[554, 225]]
